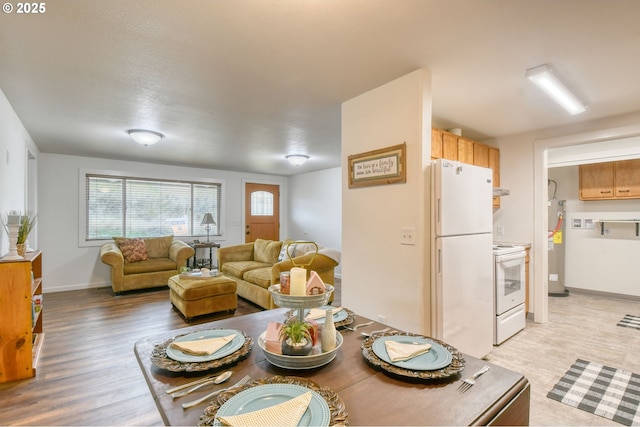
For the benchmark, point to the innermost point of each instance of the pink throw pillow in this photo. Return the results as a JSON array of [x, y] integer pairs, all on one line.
[[133, 250]]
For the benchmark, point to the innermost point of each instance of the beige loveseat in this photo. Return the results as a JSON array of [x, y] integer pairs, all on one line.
[[256, 266], [145, 263]]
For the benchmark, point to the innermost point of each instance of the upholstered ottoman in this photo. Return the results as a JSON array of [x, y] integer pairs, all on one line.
[[195, 297]]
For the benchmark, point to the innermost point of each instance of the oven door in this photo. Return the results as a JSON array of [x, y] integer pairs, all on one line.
[[509, 280]]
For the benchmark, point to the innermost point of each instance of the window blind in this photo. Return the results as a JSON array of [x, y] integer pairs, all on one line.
[[140, 207]]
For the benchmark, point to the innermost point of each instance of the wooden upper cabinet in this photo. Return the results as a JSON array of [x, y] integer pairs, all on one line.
[[449, 146], [596, 181], [494, 164], [465, 150], [481, 155], [436, 143], [627, 178]]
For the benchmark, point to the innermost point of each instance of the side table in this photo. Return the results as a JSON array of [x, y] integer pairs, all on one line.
[[203, 245]]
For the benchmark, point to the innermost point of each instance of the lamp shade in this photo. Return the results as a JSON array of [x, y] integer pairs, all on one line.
[[297, 159], [208, 219], [145, 137]]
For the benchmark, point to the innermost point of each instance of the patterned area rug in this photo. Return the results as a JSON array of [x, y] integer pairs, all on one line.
[[630, 321], [601, 390]]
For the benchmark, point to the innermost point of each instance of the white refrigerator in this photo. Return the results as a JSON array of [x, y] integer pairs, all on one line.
[[462, 258]]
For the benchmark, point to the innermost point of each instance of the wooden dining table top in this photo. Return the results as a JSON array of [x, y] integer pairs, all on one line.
[[372, 396]]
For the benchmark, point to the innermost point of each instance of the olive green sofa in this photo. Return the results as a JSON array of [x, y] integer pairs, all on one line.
[[256, 266], [165, 257]]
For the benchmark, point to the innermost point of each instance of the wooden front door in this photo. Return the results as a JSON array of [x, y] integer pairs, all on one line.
[[262, 212]]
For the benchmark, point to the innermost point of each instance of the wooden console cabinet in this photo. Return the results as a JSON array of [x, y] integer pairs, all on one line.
[[21, 334]]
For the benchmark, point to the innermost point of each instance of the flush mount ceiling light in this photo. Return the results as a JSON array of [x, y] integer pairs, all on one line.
[[145, 137], [297, 159], [544, 78]]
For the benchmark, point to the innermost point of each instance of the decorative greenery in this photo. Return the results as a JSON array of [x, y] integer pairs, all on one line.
[[26, 225], [296, 332]]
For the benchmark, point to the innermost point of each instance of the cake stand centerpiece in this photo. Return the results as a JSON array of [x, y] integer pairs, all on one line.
[[317, 357]]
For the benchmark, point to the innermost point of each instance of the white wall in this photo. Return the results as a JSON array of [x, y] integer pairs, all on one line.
[[380, 276], [68, 266], [594, 262], [315, 208], [14, 144]]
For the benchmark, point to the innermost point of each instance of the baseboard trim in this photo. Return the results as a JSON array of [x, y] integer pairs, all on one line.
[[605, 294], [76, 287]]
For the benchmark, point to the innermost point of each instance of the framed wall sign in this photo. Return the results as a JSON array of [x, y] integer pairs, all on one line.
[[378, 167]]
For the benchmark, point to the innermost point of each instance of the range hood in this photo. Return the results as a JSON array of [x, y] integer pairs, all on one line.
[[499, 192]]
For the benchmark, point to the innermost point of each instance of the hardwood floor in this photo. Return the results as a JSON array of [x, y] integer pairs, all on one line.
[[88, 373]]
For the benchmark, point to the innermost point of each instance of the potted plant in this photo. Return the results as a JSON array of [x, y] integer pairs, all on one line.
[[26, 225], [296, 337]]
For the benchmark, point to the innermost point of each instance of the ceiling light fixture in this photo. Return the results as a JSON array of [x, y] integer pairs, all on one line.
[[297, 159], [544, 78], [145, 137]]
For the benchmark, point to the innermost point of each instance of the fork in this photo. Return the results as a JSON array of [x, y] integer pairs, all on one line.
[[361, 325], [368, 334], [188, 405], [467, 383]]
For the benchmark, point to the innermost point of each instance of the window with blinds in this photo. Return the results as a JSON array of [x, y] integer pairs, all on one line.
[[140, 207]]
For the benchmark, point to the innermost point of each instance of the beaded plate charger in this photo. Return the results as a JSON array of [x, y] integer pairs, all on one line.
[[337, 408], [456, 365], [160, 358]]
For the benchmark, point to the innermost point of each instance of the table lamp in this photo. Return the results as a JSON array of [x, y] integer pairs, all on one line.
[[207, 221]]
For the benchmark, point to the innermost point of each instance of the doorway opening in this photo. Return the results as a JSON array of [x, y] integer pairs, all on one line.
[[562, 150]]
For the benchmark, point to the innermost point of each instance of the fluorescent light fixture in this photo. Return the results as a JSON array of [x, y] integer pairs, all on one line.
[[145, 137], [544, 78], [297, 159]]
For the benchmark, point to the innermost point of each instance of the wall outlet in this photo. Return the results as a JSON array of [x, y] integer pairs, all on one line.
[[382, 319], [500, 230], [408, 236]]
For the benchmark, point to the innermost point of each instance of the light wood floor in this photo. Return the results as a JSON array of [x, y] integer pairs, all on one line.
[[88, 374], [580, 326]]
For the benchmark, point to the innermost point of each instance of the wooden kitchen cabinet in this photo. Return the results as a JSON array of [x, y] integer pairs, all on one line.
[[494, 164], [610, 180], [596, 181], [449, 146], [21, 334], [465, 150], [446, 145], [436, 143], [481, 155], [627, 179]]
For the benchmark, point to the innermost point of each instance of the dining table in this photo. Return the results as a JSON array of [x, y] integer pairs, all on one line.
[[371, 395]]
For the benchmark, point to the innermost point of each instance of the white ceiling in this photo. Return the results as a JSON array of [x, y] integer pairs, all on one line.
[[236, 85]]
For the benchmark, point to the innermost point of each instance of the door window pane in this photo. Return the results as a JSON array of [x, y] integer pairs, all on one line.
[[261, 203]]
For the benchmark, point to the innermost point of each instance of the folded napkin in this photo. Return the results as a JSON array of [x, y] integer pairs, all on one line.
[[286, 413], [318, 313], [399, 352], [203, 347]]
